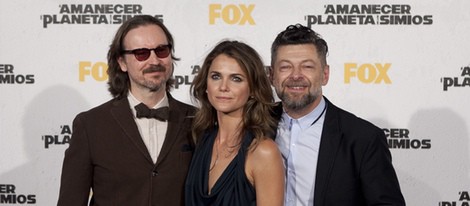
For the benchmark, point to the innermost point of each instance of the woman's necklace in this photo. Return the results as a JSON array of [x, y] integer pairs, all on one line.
[[230, 150]]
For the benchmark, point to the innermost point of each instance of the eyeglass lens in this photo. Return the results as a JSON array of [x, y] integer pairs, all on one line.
[[144, 53]]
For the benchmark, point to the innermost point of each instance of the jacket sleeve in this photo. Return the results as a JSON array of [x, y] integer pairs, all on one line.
[[77, 170], [378, 177]]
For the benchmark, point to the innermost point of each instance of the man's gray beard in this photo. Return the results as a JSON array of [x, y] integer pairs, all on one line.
[[149, 84], [293, 105], [154, 87]]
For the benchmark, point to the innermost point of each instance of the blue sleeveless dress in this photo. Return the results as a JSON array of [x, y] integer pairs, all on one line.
[[231, 189]]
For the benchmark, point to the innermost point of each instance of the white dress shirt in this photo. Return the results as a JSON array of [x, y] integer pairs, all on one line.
[[153, 131], [299, 143]]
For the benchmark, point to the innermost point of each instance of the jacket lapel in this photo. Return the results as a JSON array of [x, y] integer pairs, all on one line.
[[175, 121], [122, 113], [330, 142]]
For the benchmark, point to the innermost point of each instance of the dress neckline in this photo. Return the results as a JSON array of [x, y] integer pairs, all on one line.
[[228, 171]]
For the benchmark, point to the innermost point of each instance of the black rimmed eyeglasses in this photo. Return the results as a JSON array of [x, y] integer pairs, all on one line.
[[143, 54]]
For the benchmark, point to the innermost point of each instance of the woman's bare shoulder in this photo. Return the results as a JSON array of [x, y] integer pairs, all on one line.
[[266, 150]]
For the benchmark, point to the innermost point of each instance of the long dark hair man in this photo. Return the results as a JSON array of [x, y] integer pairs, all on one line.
[[136, 148]]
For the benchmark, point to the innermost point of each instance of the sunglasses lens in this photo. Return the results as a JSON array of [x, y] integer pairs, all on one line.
[[162, 51], [144, 53], [141, 54]]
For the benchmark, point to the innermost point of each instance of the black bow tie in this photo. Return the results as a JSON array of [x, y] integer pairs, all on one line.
[[161, 113]]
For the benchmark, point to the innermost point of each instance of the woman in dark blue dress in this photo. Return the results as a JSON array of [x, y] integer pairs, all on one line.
[[235, 163]]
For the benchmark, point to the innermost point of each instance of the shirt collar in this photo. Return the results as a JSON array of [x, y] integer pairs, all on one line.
[[134, 102], [307, 120]]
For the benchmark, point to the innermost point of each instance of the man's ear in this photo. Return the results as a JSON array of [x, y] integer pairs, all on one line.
[[270, 74], [122, 64], [326, 75]]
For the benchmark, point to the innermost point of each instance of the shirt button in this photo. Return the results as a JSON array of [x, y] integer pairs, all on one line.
[[154, 173]]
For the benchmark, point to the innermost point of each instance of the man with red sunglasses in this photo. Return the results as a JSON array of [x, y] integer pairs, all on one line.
[[136, 148]]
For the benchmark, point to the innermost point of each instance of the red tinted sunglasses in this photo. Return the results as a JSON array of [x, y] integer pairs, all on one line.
[[143, 54]]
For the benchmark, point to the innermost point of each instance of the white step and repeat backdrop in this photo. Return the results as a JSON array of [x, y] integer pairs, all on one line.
[[404, 65]]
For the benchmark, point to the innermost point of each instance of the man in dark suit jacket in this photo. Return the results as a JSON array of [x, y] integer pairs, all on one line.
[[127, 156], [332, 157]]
